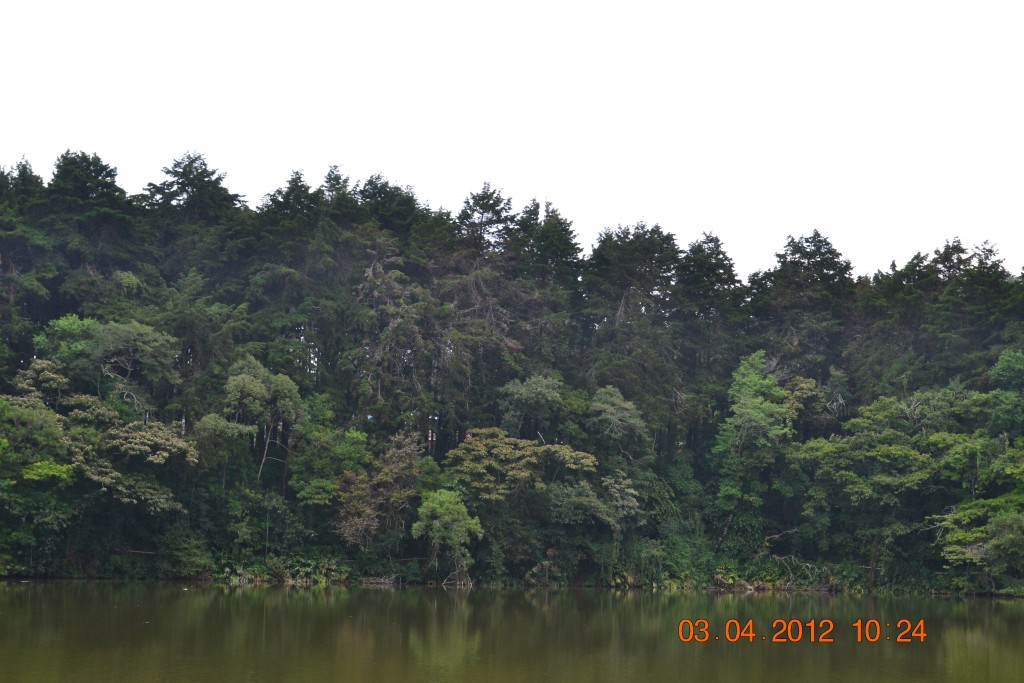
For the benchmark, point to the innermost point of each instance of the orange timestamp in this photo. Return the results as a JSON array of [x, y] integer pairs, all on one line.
[[799, 631]]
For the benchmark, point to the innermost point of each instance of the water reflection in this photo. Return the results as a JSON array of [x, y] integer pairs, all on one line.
[[144, 632]]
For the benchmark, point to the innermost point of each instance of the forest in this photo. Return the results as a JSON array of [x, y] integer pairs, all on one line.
[[344, 384]]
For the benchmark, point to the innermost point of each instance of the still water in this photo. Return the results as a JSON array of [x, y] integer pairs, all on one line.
[[92, 632]]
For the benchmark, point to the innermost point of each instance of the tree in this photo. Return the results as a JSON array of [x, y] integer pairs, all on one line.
[[709, 329], [627, 285], [446, 523], [271, 403], [617, 429], [216, 438], [19, 185], [507, 482], [129, 360], [497, 468], [543, 248], [193, 192], [91, 216], [862, 482], [529, 407], [803, 303], [485, 220], [640, 258], [395, 209], [1008, 372], [207, 331], [379, 499], [35, 472], [749, 445]]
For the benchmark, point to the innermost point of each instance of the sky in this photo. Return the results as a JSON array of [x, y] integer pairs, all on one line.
[[889, 126]]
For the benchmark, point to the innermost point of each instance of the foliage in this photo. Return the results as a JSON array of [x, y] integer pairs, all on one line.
[[342, 380], [444, 520]]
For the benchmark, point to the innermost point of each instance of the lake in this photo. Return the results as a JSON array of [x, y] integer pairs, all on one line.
[[111, 632]]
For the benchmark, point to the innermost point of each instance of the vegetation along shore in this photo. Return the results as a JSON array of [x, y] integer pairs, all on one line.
[[343, 383]]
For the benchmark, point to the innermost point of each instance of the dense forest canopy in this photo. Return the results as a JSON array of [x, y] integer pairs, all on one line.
[[343, 381]]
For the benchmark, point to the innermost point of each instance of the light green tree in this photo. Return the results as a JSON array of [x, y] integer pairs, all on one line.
[[749, 443], [446, 523], [269, 402]]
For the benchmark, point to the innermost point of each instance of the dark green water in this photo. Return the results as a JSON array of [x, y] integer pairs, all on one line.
[[85, 632]]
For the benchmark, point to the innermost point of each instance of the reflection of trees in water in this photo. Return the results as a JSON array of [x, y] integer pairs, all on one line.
[[108, 632]]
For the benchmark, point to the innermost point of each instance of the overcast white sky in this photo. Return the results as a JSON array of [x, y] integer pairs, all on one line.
[[890, 126]]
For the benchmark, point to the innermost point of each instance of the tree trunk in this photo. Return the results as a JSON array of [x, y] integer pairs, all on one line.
[[266, 449], [874, 561]]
